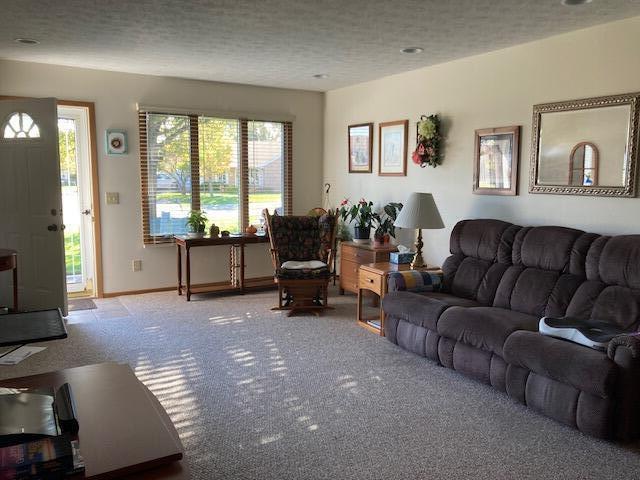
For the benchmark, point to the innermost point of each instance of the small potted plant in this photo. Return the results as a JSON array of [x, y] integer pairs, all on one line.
[[196, 221], [385, 220], [361, 214]]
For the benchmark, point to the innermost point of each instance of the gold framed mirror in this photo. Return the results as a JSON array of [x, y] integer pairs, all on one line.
[[586, 147]]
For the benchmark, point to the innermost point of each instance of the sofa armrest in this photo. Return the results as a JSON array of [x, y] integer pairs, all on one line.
[[414, 281], [624, 350], [628, 341]]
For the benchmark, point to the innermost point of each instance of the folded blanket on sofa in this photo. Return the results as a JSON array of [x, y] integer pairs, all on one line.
[[414, 281]]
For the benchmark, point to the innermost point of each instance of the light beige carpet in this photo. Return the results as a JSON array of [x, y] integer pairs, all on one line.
[[257, 395]]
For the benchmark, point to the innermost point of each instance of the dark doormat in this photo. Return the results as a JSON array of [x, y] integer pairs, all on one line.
[[81, 304]]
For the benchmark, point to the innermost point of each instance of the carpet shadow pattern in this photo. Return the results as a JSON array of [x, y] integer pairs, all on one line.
[[257, 395]]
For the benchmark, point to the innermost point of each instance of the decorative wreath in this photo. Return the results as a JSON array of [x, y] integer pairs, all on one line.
[[427, 151]]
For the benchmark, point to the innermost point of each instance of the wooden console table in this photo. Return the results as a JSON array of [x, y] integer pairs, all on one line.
[[237, 281], [9, 261], [124, 431]]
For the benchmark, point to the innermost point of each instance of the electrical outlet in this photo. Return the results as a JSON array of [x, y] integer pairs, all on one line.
[[137, 265], [113, 198]]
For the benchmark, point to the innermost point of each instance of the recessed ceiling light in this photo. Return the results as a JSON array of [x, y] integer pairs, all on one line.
[[26, 41], [573, 3], [412, 50], [321, 76]]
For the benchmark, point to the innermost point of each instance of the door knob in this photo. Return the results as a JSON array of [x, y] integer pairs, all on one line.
[[53, 227], [86, 212]]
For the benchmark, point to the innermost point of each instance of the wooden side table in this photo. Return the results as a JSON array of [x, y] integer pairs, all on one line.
[[9, 261], [352, 255], [373, 277]]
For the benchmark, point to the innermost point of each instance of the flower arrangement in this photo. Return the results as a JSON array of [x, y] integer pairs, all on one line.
[[427, 151]]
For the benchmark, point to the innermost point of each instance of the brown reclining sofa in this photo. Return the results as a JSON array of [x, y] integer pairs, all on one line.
[[498, 282]]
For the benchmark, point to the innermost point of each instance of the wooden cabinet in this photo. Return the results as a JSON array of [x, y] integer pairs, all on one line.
[[352, 255]]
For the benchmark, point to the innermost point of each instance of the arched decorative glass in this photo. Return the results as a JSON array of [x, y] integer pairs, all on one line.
[[20, 125]]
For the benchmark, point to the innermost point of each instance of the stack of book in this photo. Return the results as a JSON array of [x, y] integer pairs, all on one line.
[[48, 458]]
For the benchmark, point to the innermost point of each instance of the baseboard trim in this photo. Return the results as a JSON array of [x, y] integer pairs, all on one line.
[[248, 287]]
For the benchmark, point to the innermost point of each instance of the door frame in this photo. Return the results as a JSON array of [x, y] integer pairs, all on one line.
[[95, 185]]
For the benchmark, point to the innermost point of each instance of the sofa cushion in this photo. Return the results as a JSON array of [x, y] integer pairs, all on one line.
[[481, 238], [451, 300], [586, 369], [414, 308], [486, 328], [545, 248], [618, 263]]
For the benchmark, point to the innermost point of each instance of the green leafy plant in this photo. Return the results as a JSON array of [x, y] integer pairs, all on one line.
[[360, 213], [197, 221], [343, 234], [385, 220]]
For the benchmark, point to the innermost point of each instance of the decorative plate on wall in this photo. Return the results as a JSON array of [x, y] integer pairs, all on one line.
[[116, 142]]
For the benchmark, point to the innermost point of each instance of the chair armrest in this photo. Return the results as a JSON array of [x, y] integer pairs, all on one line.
[[414, 281], [629, 342]]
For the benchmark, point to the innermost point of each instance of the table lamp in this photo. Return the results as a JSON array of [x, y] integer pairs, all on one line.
[[420, 211]]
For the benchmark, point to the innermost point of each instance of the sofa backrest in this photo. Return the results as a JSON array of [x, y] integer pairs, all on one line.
[[552, 271], [547, 268], [481, 251], [611, 291]]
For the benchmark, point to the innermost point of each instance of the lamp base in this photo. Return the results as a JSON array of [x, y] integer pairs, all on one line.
[[418, 261]]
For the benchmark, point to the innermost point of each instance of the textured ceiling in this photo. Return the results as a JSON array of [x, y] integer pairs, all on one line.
[[282, 43]]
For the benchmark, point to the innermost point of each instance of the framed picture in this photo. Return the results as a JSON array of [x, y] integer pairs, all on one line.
[[495, 170], [116, 142], [392, 155], [360, 138]]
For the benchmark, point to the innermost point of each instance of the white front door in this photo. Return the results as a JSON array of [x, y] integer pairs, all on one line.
[[31, 202]]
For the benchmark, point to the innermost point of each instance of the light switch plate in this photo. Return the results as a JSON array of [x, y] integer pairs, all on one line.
[[136, 265], [113, 198]]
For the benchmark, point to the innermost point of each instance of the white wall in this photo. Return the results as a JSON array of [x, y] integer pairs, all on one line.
[[491, 90], [115, 96]]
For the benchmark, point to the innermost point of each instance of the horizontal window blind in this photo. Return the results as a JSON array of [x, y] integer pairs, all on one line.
[[230, 169]]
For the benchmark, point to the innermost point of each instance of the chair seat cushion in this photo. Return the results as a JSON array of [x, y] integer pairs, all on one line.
[[303, 265], [584, 368], [485, 328], [414, 308], [303, 273]]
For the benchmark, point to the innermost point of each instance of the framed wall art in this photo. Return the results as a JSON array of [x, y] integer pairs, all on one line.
[[116, 142], [495, 170], [360, 138], [392, 155]]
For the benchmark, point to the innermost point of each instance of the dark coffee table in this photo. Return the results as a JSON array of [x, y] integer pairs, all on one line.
[[124, 431]]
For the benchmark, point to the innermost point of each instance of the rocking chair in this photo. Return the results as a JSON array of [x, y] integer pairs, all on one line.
[[302, 254]]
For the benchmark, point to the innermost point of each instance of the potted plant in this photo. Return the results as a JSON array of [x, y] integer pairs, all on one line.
[[385, 220], [196, 221], [361, 214]]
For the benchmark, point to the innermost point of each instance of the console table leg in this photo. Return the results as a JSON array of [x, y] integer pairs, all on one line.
[[179, 269], [242, 268], [188, 268], [15, 288]]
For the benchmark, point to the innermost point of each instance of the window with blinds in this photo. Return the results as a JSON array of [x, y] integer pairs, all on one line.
[[231, 169]]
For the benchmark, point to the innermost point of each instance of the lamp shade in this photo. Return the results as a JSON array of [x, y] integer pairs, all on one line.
[[420, 211]]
